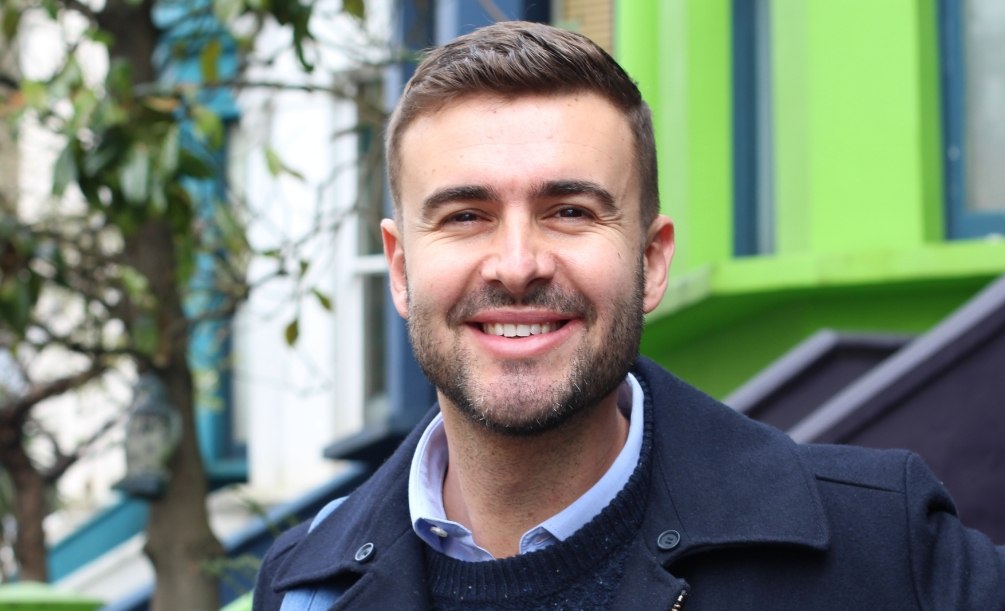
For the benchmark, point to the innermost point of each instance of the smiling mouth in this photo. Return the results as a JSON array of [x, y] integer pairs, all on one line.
[[520, 330]]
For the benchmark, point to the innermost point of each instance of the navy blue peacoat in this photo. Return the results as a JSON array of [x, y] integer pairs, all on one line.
[[739, 517]]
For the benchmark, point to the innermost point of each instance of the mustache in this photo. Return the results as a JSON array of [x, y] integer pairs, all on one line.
[[546, 296]]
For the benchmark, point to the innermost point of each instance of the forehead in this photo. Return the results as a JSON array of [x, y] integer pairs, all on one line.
[[507, 143]]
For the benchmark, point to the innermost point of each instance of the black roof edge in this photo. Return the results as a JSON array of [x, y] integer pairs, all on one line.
[[966, 328], [801, 358]]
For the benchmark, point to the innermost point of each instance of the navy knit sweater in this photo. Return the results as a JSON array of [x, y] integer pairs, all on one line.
[[582, 572]]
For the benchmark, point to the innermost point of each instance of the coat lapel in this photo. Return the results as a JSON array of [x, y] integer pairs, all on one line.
[[375, 515], [721, 479]]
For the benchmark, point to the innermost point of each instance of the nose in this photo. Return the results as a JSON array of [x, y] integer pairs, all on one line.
[[520, 256]]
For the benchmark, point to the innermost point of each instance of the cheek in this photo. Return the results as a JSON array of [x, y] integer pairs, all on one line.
[[605, 268], [436, 277], [604, 281]]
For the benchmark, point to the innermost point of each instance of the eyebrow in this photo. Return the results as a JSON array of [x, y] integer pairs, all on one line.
[[457, 193], [550, 189], [562, 188]]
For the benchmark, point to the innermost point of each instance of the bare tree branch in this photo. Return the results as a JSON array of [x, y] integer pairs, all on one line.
[[19, 407], [64, 461]]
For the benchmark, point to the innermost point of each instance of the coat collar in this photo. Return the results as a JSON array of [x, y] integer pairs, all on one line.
[[727, 479], [718, 479], [375, 515]]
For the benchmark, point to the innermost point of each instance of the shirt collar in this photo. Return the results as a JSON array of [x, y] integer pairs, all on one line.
[[429, 465]]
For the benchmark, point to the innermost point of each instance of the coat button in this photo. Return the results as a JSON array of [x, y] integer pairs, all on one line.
[[668, 540], [365, 552]]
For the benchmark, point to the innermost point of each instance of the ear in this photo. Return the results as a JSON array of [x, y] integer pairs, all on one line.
[[395, 254], [656, 261]]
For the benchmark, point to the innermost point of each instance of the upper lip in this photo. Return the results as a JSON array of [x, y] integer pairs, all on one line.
[[519, 317]]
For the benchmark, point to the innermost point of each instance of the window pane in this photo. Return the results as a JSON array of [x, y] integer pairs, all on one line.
[[374, 353], [369, 105], [985, 105]]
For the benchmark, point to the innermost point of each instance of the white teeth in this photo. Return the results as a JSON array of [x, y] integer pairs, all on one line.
[[517, 330]]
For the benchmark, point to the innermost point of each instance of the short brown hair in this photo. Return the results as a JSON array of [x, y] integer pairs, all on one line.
[[514, 58]]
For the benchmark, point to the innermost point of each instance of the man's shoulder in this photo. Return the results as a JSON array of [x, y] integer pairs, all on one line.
[[881, 469], [857, 466], [265, 596], [860, 476]]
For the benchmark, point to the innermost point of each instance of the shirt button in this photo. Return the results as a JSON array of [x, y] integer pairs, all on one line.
[[364, 553], [439, 532]]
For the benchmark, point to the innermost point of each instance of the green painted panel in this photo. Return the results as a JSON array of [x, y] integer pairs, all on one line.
[[707, 237], [865, 120], [674, 104], [854, 119], [790, 74], [636, 40], [683, 64]]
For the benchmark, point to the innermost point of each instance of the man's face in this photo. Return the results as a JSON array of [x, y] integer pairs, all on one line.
[[519, 259]]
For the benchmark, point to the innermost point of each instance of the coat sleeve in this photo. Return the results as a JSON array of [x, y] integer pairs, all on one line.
[[265, 597], [954, 567]]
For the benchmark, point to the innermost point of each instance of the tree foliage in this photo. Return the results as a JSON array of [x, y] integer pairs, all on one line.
[[100, 268]]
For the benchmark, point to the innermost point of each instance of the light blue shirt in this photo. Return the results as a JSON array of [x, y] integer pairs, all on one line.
[[429, 467]]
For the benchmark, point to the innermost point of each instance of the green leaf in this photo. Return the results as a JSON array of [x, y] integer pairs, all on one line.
[[297, 15], [276, 166], [292, 332], [273, 162], [158, 201], [304, 266], [15, 304], [99, 36], [170, 151], [227, 10], [136, 284], [66, 80], [356, 8], [144, 334], [209, 60], [324, 300], [65, 171], [35, 93], [208, 125], [51, 8], [119, 79], [111, 148], [134, 176], [84, 104], [194, 166], [231, 230], [11, 21]]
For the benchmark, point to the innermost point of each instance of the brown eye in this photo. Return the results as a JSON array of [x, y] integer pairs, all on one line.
[[462, 217], [570, 212]]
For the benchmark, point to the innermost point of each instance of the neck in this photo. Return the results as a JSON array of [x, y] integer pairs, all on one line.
[[500, 486]]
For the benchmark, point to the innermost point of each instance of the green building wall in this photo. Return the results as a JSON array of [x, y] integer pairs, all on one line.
[[859, 219]]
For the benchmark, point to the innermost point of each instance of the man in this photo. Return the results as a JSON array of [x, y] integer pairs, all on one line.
[[558, 470]]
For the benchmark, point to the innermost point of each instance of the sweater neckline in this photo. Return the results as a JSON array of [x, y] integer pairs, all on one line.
[[555, 567]]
